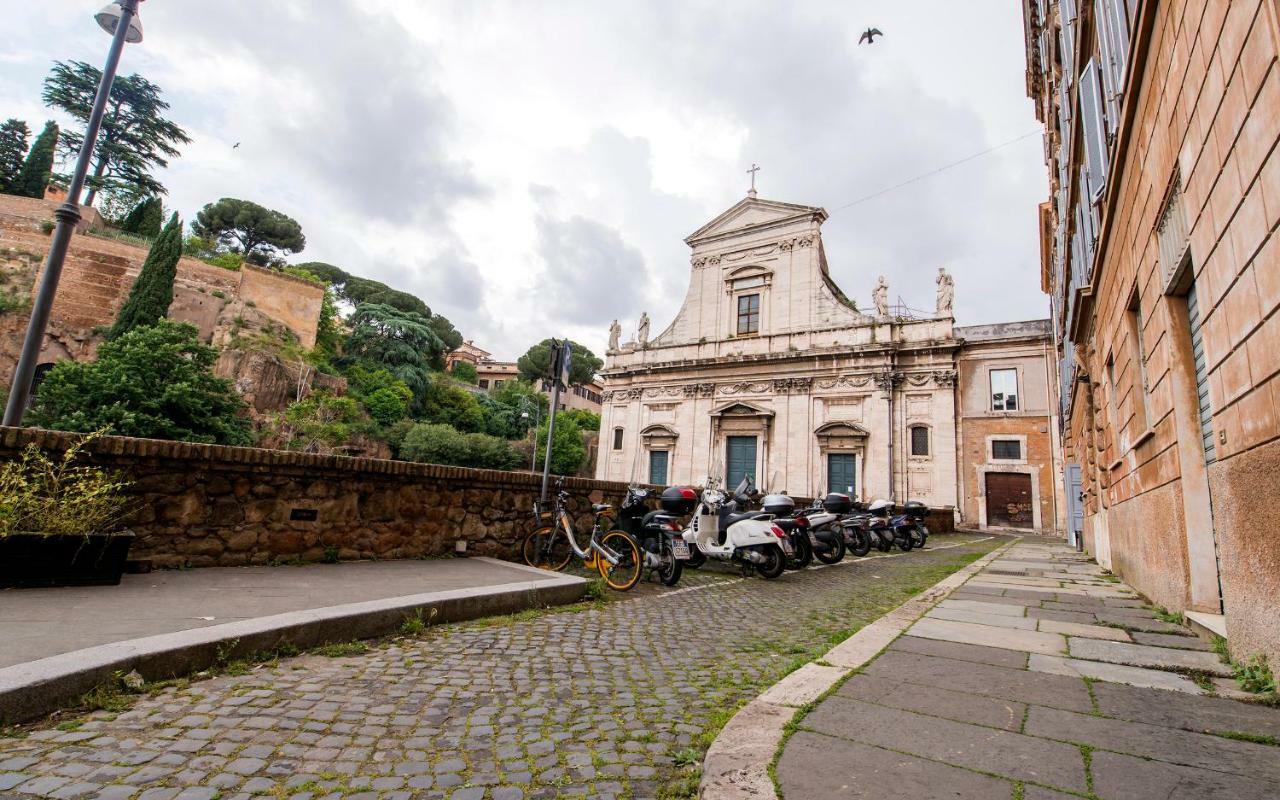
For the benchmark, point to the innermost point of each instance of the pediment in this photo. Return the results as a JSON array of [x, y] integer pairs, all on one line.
[[741, 408], [841, 429], [753, 213], [657, 431]]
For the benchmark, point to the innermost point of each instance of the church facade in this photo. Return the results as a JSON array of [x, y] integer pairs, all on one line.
[[769, 370]]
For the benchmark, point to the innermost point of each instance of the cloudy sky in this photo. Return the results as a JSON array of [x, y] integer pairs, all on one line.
[[531, 169]]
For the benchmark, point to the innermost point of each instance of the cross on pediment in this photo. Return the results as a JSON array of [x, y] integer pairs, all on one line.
[[752, 172]]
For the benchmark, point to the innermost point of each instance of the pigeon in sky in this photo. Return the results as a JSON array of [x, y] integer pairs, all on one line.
[[234, 146], [869, 36]]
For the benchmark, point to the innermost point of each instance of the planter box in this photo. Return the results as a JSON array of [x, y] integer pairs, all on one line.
[[29, 560]]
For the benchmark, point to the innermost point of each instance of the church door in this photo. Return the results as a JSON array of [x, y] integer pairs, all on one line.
[[740, 461], [658, 467], [841, 473]]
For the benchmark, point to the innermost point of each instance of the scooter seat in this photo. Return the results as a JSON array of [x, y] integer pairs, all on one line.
[[731, 519], [786, 523], [656, 517]]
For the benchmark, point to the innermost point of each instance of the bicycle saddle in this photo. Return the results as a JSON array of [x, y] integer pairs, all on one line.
[[600, 506]]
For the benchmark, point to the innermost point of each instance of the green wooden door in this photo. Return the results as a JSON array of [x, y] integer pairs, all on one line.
[[841, 475], [740, 460], [658, 467]]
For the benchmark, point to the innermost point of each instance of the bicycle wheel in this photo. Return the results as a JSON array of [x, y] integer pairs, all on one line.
[[626, 573], [546, 549]]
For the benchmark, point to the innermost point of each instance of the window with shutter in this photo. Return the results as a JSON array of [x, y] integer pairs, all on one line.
[[617, 438], [1093, 128]]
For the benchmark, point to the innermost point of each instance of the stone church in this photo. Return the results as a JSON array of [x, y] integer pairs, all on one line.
[[770, 370]]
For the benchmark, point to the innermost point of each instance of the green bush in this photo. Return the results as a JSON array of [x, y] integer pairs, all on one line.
[[447, 403], [586, 420], [442, 444], [154, 382], [465, 371], [388, 406], [568, 451]]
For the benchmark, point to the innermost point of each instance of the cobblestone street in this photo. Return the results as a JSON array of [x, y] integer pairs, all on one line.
[[608, 700]]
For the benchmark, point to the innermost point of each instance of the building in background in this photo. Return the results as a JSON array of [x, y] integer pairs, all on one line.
[[770, 370], [1162, 262], [492, 374]]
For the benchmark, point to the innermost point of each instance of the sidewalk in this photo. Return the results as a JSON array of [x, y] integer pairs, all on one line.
[[1038, 679], [61, 642]]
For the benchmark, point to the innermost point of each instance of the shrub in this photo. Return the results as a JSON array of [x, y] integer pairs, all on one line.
[[584, 419], [320, 423], [387, 406], [465, 371], [60, 497], [450, 404], [154, 382], [567, 449], [442, 444]]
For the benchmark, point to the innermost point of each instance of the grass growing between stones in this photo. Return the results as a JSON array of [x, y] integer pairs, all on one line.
[[1241, 736]]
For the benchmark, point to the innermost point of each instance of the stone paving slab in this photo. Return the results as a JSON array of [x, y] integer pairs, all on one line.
[[1115, 673], [958, 706], [1141, 655], [1181, 642], [1011, 684], [990, 636], [993, 751], [1124, 777], [1193, 713], [996, 620], [816, 766], [963, 652], [1007, 608], [1157, 742], [1070, 629]]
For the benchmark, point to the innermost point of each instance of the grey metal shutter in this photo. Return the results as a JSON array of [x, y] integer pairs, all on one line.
[[1202, 377]]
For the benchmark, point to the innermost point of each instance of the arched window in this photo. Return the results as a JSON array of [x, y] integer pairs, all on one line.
[[617, 438], [919, 440]]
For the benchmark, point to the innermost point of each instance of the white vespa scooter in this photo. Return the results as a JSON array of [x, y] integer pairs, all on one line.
[[718, 530]]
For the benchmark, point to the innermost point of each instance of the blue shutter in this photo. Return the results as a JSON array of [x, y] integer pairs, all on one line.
[[658, 467], [741, 459]]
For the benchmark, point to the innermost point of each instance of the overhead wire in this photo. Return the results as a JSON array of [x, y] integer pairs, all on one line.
[[943, 168]]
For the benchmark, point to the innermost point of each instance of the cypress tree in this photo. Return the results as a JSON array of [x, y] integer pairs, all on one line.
[[145, 219], [152, 292], [13, 150], [38, 168]]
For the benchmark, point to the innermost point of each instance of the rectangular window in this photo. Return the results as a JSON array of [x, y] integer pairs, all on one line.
[[1004, 390], [617, 438], [1006, 450], [1138, 350], [484, 383], [748, 313], [919, 441]]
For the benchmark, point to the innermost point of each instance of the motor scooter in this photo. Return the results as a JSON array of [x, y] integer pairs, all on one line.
[[910, 523], [721, 531], [882, 526], [658, 532]]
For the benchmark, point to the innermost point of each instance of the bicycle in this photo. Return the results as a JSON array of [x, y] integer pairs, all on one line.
[[615, 554]]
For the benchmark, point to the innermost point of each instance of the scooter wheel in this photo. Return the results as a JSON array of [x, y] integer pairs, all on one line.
[[803, 553], [904, 543], [774, 564], [696, 558], [861, 543], [883, 546], [835, 554], [670, 568]]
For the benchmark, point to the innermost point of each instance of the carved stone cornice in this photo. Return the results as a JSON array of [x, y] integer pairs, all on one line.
[[786, 244], [792, 385], [746, 387], [843, 382], [692, 390], [806, 241], [888, 380], [945, 378]]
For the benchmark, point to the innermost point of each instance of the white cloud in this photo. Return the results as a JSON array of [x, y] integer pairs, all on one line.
[[405, 138]]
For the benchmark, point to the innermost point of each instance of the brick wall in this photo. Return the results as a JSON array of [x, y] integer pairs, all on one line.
[[1205, 116]]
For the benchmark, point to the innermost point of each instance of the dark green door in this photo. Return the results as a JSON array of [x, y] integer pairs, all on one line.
[[741, 460], [658, 467], [840, 473]]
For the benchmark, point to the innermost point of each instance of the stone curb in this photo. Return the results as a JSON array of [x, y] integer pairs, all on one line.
[[39, 687], [736, 766]]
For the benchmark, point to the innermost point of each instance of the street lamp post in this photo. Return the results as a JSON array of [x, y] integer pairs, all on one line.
[[120, 19]]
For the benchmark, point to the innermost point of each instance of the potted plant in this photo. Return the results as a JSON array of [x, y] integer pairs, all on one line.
[[61, 522]]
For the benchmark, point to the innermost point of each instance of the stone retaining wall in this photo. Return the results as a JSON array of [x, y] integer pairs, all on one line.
[[207, 505]]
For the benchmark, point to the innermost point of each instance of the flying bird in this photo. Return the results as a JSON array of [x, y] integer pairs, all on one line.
[[234, 146], [869, 36]]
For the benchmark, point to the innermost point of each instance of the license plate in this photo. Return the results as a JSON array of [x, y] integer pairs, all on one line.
[[680, 549], [786, 546]]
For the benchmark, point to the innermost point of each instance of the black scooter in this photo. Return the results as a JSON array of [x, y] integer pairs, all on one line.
[[657, 533]]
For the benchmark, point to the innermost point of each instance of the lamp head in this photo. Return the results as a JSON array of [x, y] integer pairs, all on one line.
[[109, 19]]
